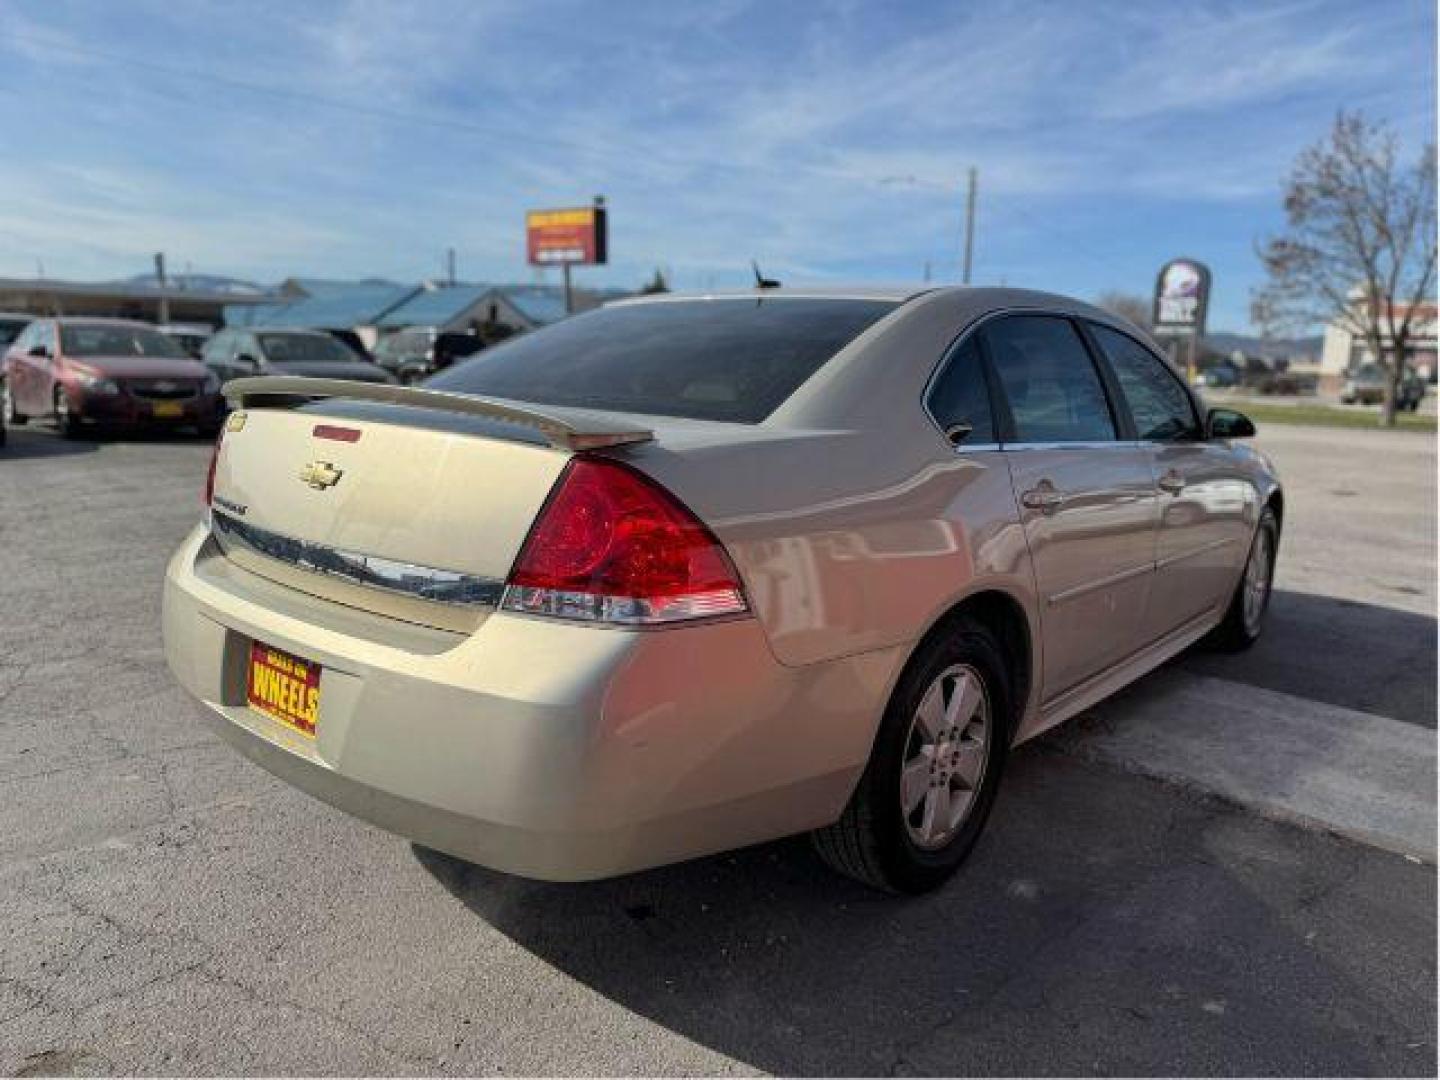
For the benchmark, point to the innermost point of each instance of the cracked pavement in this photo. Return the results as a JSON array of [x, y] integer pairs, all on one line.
[[169, 908]]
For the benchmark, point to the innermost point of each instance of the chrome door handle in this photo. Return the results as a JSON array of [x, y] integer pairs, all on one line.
[[1043, 496], [1172, 482]]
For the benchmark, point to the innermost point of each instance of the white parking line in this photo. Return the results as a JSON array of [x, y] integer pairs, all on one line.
[[1366, 777]]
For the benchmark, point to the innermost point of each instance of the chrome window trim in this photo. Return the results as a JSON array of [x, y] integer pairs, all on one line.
[[1107, 444], [453, 587], [974, 328]]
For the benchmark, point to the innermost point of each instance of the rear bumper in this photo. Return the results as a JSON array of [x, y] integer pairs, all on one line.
[[532, 746]]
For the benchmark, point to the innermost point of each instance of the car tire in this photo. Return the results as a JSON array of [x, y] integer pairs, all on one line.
[[887, 837], [11, 417], [66, 422], [1245, 617]]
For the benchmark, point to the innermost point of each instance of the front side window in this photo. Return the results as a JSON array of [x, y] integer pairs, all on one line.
[[735, 360], [304, 349], [1049, 381], [1159, 404], [960, 398], [98, 339], [217, 349]]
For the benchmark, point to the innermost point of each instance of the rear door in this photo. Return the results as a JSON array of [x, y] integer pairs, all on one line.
[[39, 398], [1206, 504], [1086, 498]]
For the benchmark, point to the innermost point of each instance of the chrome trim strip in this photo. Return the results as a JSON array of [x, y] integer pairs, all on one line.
[[1091, 586], [1171, 560], [1106, 444], [406, 579]]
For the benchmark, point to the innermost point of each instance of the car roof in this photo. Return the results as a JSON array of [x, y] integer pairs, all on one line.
[[824, 291]]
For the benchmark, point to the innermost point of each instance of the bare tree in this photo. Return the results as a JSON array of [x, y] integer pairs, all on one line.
[[1127, 306], [1358, 249]]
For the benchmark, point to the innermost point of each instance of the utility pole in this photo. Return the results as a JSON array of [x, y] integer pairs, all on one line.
[[450, 266], [969, 228], [569, 296], [160, 278]]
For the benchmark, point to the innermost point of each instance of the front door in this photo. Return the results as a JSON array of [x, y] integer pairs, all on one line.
[[1207, 509], [1086, 499]]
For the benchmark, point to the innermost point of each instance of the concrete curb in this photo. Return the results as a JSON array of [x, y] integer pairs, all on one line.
[[1365, 777]]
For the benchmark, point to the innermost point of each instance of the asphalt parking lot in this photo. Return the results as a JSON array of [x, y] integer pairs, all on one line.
[[171, 909]]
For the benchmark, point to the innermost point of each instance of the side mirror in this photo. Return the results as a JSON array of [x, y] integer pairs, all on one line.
[[40, 351], [246, 361], [1228, 424]]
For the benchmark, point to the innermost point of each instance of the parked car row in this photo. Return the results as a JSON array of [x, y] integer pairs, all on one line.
[[74, 372]]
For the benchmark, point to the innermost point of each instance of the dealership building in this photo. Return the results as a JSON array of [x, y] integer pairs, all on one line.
[[1345, 351]]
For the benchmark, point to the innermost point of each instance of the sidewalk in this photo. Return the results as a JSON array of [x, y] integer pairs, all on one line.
[[1365, 777]]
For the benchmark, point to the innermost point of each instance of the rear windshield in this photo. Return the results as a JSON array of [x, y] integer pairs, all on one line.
[[101, 340], [305, 349], [735, 360]]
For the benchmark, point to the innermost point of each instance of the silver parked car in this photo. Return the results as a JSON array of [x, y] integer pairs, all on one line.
[[687, 573]]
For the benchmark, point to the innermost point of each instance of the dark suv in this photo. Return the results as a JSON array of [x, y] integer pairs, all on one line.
[[418, 351], [232, 354]]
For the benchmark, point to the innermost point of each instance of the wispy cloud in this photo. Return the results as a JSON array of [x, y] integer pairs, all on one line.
[[364, 136]]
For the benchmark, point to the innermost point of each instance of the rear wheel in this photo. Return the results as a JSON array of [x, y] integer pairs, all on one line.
[[12, 418], [1245, 618], [924, 797]]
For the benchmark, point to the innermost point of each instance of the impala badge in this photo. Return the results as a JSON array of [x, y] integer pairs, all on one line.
[[321, 475]]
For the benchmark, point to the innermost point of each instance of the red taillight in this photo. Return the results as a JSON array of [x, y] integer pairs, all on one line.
[[611, 545], [210, 472]]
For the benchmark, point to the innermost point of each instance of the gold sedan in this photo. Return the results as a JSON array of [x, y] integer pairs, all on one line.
[[688, 573]]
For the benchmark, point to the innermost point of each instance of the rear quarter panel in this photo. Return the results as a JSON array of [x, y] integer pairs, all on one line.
[[847, 545]]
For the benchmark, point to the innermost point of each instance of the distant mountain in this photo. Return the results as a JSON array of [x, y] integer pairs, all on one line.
[[214, 283], [1223, 342]]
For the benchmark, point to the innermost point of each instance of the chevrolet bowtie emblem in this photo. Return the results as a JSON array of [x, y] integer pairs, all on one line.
[[321, 475]]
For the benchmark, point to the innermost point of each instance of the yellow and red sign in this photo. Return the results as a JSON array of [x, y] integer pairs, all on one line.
[[283, 687], [576, 235]]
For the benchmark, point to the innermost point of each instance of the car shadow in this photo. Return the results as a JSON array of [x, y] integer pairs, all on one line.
[[38, 441], [1100, 925], [31, 442], [1373, 659]]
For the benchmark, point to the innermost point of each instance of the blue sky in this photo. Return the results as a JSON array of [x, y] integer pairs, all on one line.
[[830, 141]]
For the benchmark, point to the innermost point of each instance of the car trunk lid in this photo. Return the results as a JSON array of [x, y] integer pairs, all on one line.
[[406, 502]]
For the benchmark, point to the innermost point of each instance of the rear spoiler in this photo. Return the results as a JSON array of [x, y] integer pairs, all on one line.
[[573, 431]]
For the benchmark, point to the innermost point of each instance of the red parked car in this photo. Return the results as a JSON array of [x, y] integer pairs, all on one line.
[[73, 371]]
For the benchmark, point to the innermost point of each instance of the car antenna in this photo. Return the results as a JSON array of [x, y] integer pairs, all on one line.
[[761, 281]]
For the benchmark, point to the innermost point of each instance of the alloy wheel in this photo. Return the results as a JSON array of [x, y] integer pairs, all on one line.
[[1257, 580], [944, 760]]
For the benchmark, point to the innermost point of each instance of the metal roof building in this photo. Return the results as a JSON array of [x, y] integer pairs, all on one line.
[[450, 307], [343, 307], [202, 300]]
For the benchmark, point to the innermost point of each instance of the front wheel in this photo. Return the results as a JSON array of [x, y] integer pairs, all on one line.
[[66, 422], [934, 770], [1245, 618], [7, 402]]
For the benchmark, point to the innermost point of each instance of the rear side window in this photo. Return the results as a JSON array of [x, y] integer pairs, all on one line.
[[960, 398], [1159, 404], [304, 349], [735, 360], [1049, 381]]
